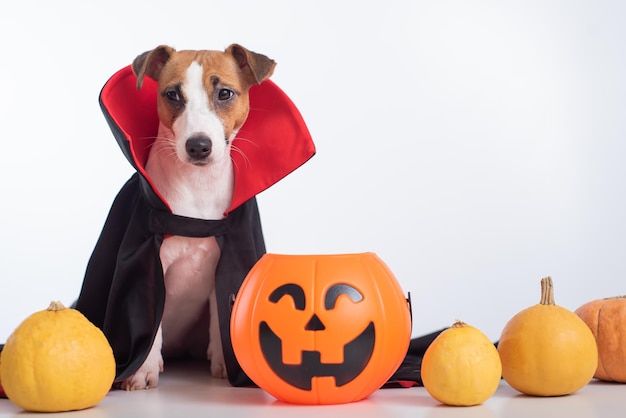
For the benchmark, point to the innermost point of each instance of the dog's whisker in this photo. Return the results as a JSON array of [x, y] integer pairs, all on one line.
[[153, 140], [243, 155], [164, 148], [240, 151], [244, 139], [259, 109], [235, 166]]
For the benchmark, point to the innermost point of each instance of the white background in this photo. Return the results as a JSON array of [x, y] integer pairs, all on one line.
[[475, 146]]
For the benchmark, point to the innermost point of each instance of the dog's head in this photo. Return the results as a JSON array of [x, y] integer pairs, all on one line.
[[202, 95]]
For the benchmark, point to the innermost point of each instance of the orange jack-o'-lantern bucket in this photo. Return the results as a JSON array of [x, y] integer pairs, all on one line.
[[320, 329]]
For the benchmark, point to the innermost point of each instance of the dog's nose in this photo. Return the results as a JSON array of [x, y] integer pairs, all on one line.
[[198, 147]]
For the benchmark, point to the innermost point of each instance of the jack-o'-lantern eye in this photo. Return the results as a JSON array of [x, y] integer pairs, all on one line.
[[341, 289], [293, 290]]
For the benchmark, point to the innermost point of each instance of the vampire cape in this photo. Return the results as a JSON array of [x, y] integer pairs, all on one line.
[[123, 291]]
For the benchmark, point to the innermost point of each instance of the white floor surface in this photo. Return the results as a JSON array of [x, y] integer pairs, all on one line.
[[187, 390]]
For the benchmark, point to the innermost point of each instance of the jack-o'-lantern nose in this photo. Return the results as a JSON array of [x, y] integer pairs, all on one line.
[[315, 324]]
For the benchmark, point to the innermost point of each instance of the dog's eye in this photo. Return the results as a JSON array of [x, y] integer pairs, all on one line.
[[172, 95], [225, 94]]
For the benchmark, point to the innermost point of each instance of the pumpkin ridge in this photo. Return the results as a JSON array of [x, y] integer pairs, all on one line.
[[601, 367], [614, 351]]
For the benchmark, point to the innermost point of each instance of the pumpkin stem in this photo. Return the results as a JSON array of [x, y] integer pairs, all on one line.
[[547, 291], [55, 306], [458, 324]]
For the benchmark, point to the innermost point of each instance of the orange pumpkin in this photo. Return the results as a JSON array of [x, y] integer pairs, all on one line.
[[320, 329], [607, 320]]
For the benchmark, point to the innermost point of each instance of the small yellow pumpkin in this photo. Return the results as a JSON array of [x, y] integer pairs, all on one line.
[[461, 366], [607, 320], [547, 350], [56, 360]]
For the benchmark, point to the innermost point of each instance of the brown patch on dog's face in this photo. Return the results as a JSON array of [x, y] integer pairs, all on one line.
[[224, 83], [227, 77]]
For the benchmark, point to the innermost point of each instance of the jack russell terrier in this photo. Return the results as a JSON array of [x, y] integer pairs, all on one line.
[[202, 102]]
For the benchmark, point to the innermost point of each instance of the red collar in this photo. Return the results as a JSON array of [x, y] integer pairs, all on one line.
[[277, 140]]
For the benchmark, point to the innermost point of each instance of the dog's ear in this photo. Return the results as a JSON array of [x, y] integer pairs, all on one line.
[[150, 63], [258, 66]]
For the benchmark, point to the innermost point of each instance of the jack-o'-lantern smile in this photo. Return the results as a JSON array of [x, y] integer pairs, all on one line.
[[356, 354]]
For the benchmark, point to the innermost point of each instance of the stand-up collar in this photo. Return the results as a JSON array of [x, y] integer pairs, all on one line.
[[275, 140]]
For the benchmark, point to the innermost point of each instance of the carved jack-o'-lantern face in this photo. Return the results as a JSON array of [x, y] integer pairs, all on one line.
[[320, 329], [356, 353]]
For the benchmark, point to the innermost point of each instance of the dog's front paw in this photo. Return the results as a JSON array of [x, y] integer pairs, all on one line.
[[218, 370], [146, 377], [216, 357]]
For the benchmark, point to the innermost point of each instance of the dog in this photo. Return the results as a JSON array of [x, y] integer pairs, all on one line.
[[202, 102]]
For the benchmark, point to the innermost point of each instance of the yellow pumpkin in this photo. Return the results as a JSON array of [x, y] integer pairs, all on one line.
[[461, 366], [56, 360], [607, 320], [547, 350]]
